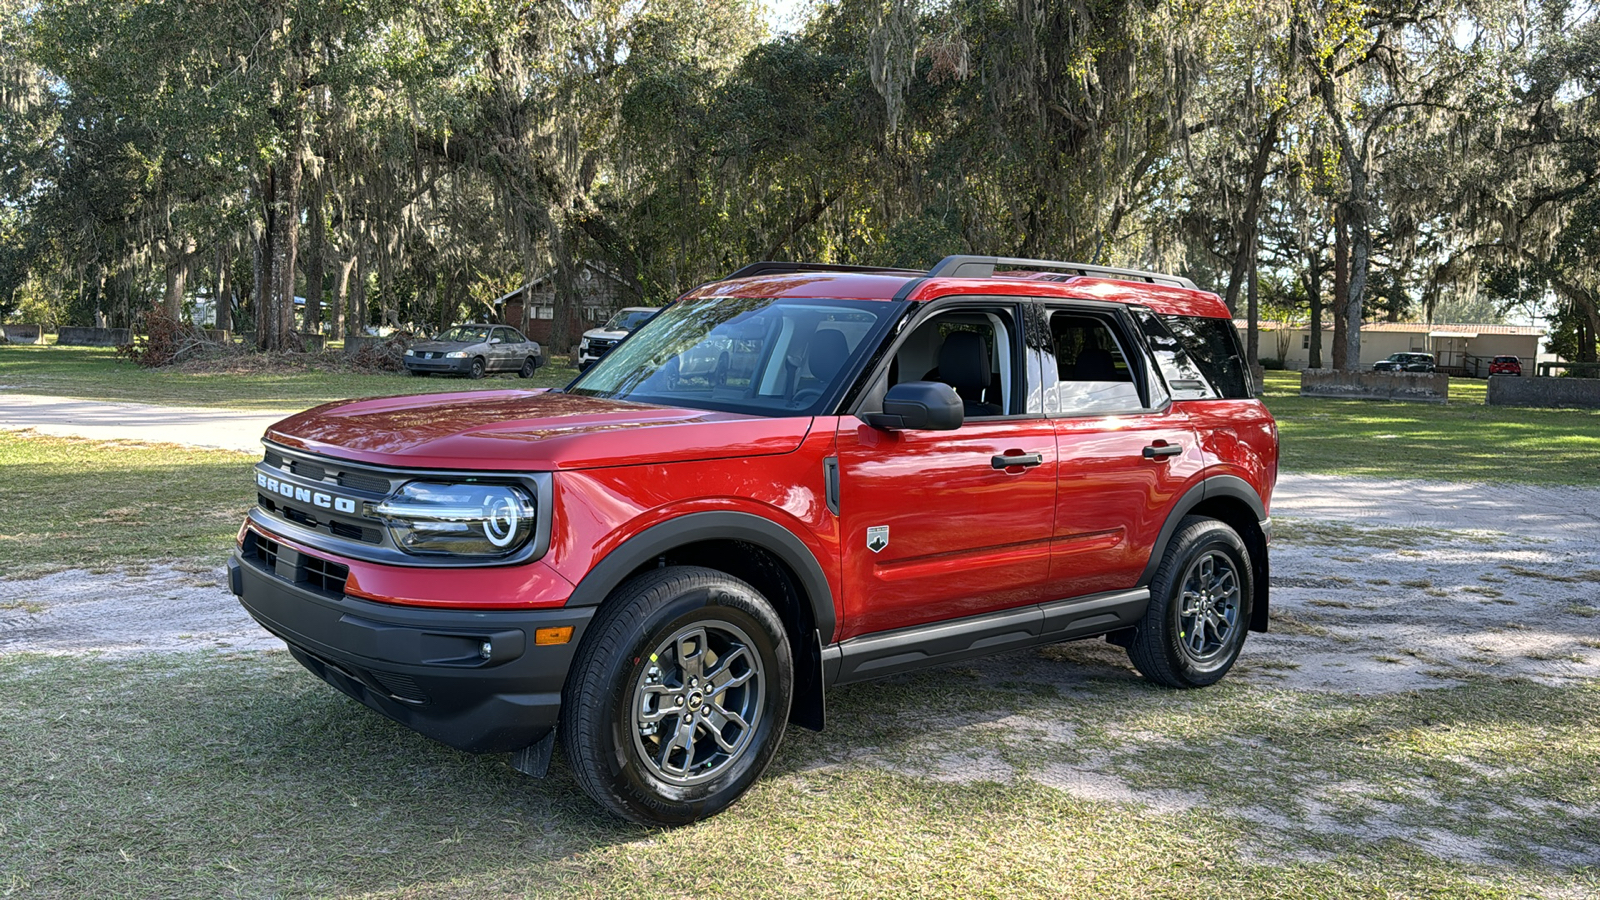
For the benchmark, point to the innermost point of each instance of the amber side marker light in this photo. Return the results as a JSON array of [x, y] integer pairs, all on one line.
[[546, 636]]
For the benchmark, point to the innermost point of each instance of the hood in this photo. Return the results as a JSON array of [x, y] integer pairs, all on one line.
[[604, 335], [529, 431]]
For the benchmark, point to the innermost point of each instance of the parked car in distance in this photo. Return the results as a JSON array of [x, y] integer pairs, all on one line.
[[475, 351], [597, 342], [1505, 365], [1405, 362]]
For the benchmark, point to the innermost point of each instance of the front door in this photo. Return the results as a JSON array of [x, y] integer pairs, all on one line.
[[943, 524]]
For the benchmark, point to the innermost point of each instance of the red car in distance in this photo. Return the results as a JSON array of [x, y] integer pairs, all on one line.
[[1505, 365]]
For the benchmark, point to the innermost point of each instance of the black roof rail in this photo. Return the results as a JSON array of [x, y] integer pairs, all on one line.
[[983, 267], [770, 267]]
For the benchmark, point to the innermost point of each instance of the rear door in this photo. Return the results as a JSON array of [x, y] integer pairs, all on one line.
[[939, 525], [1126, 453]]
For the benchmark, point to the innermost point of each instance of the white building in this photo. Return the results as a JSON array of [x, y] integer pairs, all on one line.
[[1457, 349]]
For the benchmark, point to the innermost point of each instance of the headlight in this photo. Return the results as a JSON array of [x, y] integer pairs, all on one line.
[[583, 344], [456, 354], [410, 352], [459, 519]]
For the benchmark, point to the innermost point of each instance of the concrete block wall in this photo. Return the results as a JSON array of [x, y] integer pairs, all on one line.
[[1421, 387], [1576, 393]]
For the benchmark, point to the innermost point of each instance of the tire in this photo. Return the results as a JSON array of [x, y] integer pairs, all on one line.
[[476, 370], [529, 366], [1205, 573], [620, 724]]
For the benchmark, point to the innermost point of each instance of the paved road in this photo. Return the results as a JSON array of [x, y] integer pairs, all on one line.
[[192, 425]]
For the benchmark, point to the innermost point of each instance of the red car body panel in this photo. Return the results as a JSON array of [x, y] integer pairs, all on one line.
[[964, 537], [605, 507], [1111, 501], [1238, 438]]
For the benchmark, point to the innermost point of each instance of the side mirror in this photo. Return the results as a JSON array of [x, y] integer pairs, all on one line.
[[494, 340], [919, 406]]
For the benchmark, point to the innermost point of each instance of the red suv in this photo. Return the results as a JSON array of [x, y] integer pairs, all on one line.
[[799, 477]]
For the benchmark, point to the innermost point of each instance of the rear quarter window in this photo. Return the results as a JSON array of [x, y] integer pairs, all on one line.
[[1200, 357]]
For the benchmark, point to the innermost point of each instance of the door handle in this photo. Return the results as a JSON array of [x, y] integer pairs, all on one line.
[[1016, 459], [1161, 451]]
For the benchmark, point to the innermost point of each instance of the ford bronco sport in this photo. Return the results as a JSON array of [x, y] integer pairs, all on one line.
[[799, 477]]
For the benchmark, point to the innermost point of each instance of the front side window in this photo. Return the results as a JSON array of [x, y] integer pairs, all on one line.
[[972, 350], [756, 355]]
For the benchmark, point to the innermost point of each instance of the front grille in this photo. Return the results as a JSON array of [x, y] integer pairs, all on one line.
[[264, 549], [358, 481], [324, 575], [295, 567], [599, 346], [326, 496], [308, 470]]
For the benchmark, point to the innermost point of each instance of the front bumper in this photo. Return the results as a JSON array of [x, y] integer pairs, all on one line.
[[453, 366], [421, 666]]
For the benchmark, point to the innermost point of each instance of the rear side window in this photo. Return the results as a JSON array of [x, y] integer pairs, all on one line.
[[1200, 357]]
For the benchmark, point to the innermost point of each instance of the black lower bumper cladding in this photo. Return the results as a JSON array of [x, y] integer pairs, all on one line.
[[475, 680]]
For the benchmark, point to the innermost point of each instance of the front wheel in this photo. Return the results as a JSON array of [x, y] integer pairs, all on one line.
[[476, 370], [678, 697], [1199, 610]]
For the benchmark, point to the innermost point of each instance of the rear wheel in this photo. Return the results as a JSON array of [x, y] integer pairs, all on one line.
[[679, 696], [1199, 610], [529, 366]]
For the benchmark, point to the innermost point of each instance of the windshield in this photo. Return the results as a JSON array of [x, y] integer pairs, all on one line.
[[463, 334], [753, 355], [629, 319]]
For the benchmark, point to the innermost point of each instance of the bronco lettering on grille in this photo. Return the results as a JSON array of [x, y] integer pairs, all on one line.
[[304, 495]]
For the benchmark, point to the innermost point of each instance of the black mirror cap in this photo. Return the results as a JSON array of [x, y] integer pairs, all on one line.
[[919, 406]]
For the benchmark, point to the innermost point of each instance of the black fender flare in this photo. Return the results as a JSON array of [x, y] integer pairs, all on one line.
[[1229, 487], [692, 528]]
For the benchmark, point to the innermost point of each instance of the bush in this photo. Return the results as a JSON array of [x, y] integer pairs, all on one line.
[[1273, 365]]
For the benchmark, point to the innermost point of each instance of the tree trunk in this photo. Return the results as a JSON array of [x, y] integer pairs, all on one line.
[[1244, 260], [341, 283], [358, 298], [224, 312], [285, 238], [265, 312], [316, 247], [177, 283], [1341, 285], [1252, 350], [1314, 294]]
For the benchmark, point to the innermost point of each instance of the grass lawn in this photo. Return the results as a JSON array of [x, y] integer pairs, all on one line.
[[1464, 440], [68, 503], [95, 373], [241, 775]]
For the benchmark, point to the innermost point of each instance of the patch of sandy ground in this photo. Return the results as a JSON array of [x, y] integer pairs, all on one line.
[[1436, 583]]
